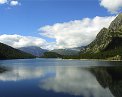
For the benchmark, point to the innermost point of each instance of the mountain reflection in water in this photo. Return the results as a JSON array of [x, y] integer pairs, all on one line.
[[62, 80], [3, 69], [110, 77]]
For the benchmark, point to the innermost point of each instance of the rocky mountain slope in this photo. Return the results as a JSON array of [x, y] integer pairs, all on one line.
[[108, 42], [108, 38]]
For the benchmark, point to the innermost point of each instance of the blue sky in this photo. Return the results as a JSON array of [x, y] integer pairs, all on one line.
[[32, 14], [25, 19]]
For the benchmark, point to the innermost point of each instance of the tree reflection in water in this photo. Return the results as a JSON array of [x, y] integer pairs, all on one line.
[[3, 69], [109, 77]]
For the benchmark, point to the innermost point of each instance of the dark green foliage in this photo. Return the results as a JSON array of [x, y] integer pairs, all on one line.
[[7, 52], [102, 55], [116, 43], [71, 57], [51, 55], [56, 55]]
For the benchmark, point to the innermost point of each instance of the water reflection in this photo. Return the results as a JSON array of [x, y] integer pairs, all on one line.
[[3, 69], [77, 80], [110, 78], [23, 73]]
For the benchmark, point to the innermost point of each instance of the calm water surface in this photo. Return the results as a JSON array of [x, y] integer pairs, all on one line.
[[60, 78]]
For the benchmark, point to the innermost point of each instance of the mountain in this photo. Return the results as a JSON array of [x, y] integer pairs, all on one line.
[[108, 42], [65, 51], [7, 52], [34, 50], [68, 51]]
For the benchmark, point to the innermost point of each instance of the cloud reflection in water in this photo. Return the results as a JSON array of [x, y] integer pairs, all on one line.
[[23, 73], [71, 80], [75, 81]]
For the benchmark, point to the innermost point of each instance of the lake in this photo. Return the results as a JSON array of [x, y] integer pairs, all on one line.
[[60, 78]]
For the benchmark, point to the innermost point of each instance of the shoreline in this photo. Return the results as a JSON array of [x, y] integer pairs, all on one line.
[[67, 59], [92, 59]]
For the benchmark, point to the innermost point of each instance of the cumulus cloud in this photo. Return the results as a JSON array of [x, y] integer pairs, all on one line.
[[75, 33], [3, 1], [67, 35], [14, 3], [10, 2], [112, 6], [23, 41]]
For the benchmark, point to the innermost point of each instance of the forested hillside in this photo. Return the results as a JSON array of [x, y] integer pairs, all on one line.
[[7, 52]]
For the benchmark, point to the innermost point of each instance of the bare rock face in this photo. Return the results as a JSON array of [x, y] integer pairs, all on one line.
[[99, 43], [116, 23], [107, 37]]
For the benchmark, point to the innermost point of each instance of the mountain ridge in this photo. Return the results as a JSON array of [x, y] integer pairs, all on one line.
[[107, 44], [106, 35], [8, 52], [34, 50]]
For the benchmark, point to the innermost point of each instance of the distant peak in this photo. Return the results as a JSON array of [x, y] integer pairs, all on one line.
[[30, 47]]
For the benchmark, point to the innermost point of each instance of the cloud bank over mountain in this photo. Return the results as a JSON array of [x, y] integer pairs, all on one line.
[[67, 35], [75, 33]]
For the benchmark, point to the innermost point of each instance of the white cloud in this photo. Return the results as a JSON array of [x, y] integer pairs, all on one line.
[[10, 2], [75, 33], [67, 35], [3, 1], [113, 6], [22, 41], [14, 3]]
